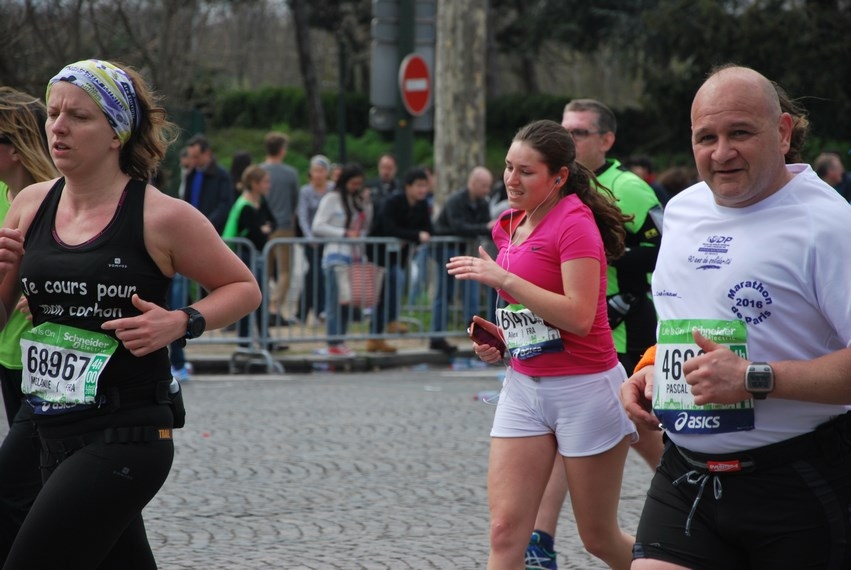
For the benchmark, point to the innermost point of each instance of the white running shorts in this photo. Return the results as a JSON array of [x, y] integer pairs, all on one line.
[[583, 411]]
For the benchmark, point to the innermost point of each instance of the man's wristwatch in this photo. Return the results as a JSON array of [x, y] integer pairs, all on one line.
[[759, 380], [195, 325]]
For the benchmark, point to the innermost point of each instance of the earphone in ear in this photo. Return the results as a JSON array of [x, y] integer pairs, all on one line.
[[558, 180]]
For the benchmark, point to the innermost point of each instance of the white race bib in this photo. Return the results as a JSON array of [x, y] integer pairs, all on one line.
[[673, 402], [526, 334], [63, 364]]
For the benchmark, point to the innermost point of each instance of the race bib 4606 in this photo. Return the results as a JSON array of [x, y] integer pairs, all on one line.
[[673, 402]]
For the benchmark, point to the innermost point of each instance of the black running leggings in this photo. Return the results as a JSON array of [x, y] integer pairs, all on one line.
[[20, 477], [89, 511]]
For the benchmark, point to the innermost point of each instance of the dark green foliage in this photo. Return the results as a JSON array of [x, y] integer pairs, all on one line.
[[357, 112], [263, 107], [524, 27], [803, 46], [505, 115]]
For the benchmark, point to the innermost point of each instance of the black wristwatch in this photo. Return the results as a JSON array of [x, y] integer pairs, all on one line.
[[195, 325], [759, 380]]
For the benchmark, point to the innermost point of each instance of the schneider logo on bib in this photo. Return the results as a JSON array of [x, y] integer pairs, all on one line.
[[63, 364], [673, 402]]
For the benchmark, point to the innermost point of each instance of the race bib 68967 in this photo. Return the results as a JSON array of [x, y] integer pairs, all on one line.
[[62, 364]]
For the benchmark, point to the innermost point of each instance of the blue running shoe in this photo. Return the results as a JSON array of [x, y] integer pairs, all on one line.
[[539, 558], [183, 374]]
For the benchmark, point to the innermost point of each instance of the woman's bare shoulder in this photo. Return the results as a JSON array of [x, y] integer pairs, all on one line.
[[163, 207], [171, 220], [35, 192], [26, 204], [168, 223]]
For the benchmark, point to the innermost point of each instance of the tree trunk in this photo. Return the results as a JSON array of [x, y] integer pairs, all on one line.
[[315, 113], [460, 93]]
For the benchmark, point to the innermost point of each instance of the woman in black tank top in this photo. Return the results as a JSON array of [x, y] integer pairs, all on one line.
[[101, 248]]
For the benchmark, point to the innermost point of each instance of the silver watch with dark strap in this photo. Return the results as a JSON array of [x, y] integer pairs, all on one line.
[[759, 380]]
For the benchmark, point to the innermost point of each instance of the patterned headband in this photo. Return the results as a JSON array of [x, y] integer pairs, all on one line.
[[109, 87]]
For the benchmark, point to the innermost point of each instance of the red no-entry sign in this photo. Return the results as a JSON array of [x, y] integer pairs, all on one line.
[[415, 84]]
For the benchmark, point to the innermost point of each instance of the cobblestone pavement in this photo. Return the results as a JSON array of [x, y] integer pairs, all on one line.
[[340, 471]]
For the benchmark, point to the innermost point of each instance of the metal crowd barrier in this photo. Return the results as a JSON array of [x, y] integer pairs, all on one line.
[[295, 313]]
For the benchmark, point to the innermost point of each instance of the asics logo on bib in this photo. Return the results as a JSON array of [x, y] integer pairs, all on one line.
[[47, 406], [526, 351], [696, 422]]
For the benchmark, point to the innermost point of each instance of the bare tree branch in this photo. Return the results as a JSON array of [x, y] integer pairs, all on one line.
[[315, 113]]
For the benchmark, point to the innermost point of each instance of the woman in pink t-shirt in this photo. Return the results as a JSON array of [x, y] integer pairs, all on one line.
[[561, 389]]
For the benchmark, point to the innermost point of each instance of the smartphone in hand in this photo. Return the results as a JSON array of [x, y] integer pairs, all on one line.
[[480, 335]]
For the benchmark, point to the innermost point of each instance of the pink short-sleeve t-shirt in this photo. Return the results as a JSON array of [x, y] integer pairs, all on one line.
[[567, 232]]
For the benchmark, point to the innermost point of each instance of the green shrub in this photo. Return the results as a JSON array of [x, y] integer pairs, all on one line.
[[268, 105]]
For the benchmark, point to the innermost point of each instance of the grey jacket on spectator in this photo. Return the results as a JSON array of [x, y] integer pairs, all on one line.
[[283, 194]]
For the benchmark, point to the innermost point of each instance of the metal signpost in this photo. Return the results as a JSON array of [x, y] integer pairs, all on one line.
[[401, 80]]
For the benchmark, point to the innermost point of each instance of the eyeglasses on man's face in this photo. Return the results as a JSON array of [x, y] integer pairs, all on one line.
[[582, 134]]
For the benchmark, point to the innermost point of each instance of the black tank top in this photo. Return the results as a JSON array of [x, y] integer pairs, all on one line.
[[90, 283]]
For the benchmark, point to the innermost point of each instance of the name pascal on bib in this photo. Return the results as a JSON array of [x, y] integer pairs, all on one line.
[[673, 402], [526, 334], [62, 366]]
